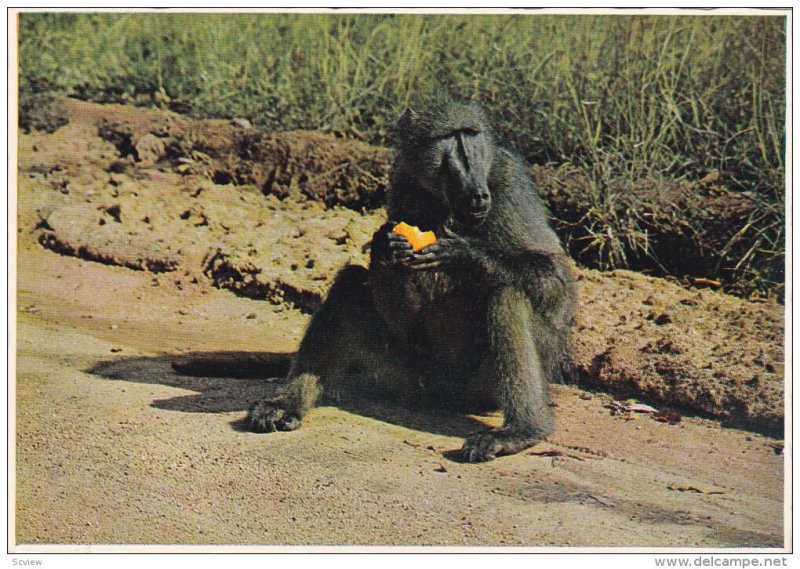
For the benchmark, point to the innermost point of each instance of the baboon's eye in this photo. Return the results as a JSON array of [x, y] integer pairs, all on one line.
[[465, 131], [455, 133]]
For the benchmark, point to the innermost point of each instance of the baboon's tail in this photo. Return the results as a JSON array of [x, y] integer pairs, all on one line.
[[238, 365]]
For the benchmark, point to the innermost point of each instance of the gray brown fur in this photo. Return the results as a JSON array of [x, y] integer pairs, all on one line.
[[481, 318]]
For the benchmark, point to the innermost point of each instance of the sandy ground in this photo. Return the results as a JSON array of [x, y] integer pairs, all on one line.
[[114, 447], [154, 457]]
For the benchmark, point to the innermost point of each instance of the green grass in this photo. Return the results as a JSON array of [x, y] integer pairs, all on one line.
[[623, 97]]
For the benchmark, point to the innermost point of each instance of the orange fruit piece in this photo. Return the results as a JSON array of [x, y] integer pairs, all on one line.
[[417, 238]]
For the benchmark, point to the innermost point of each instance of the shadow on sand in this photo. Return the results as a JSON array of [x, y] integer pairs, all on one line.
[[226, 382]]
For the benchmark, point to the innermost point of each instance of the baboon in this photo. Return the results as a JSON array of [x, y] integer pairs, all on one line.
[[480, 318]]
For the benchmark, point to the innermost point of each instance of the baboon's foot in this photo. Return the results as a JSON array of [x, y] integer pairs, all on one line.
[[489, 445], [272, 415]]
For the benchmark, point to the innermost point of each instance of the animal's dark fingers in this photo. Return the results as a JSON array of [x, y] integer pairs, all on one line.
[[268, 416], [420, 257], [288, 423], [432, 248], [260, 424], [396, 237], [481, 447], [404, 253], [256, 424], [423, 266], [402, 245], [478, 455]]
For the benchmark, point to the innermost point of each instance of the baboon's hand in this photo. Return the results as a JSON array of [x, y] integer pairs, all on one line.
[[390, 247], [271, 415], [487, 446], [440, 254]]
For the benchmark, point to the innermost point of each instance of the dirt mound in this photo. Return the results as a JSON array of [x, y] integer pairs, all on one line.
[[318, 166], [120, 254], [644, 337], [123, 186]]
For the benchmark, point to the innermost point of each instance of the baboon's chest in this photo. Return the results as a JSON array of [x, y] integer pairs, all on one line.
[[450, 321], [449, 289]]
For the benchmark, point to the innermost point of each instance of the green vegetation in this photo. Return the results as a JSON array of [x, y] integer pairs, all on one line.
[[621, 98]]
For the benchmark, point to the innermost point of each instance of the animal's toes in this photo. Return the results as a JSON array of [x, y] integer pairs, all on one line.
[[491, 444], [481, 448], [289, 423], [270, 416]]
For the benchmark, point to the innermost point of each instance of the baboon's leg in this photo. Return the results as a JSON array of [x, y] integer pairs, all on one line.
[[345, 351], [517, 358], [482, 392]]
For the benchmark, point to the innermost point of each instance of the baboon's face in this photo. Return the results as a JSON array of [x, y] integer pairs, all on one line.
[[462, 164]]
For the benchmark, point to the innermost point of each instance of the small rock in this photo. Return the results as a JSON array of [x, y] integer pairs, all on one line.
[[662, 319], [241, 123], [115, 211]]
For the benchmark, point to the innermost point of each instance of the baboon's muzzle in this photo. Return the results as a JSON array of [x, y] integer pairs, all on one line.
[[477, 204]]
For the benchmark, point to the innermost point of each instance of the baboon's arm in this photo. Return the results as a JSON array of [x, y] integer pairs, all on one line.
[[542, 276]]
